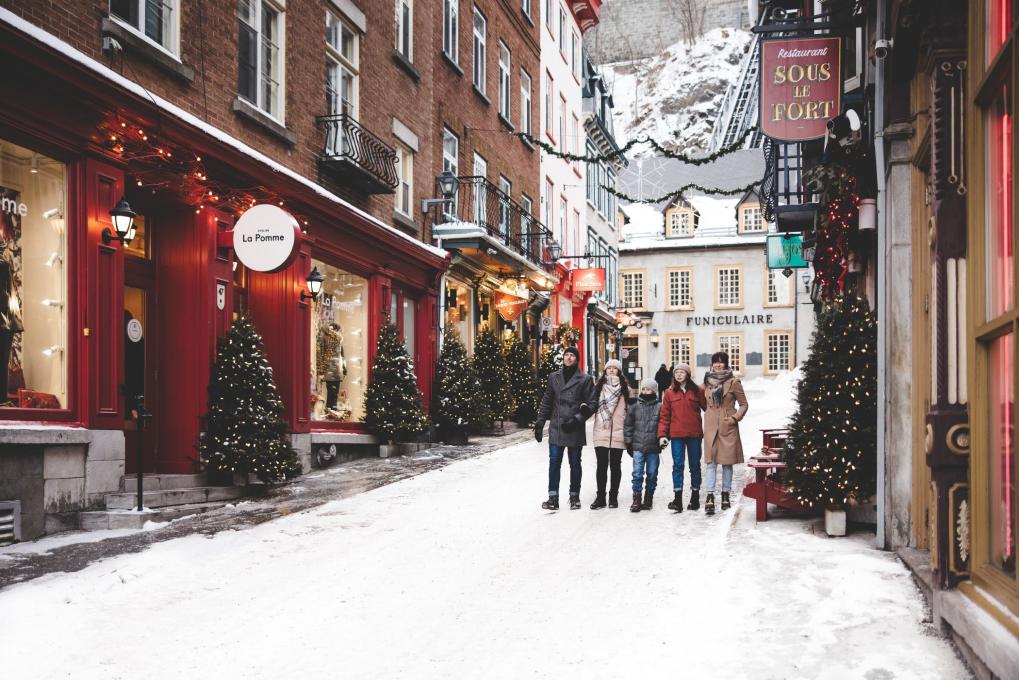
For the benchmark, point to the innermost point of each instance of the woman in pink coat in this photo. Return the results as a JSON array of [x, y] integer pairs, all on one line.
[[613, 395]]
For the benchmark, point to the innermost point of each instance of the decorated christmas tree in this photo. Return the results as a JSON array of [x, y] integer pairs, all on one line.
[[393, 405], [455, 398], [551, 360], [831, 450], [495, 400], [245, 430], [522, 382]]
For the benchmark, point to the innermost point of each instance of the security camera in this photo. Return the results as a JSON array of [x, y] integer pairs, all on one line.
[[882, 48]]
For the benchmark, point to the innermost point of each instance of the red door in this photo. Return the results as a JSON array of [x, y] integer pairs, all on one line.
[[140, 374]]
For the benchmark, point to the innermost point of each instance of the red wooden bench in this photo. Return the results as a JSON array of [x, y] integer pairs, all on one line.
[[767, 486]]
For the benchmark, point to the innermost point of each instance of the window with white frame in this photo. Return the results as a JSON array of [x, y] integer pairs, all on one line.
[[562, 30], [450, 163], [405, 28], [612, 280], [480, 195], [549, 103], [730, 287], [563, 226], [681, 350], [610, 198], [751, 219], [525, 7], [504, 81], [575, 54], [504, 206], [480, 37], [574, 145], [563, 144], [260, 52], [451, 30], [546, 201], [680, 223], [548, 14], [779, 352], [157, 20], [633, 290], [592, 176], [780, 288], [405, 171], [341, 66], [527, 224], [733, 346], [525, 101], [681, 288]]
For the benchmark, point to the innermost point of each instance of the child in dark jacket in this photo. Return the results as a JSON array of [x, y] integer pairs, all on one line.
[[640, 432]]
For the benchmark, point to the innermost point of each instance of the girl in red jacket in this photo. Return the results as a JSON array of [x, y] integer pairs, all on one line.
[[680, 421]]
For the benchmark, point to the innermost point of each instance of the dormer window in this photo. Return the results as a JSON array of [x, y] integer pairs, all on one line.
[[751, 219], [680, 223]]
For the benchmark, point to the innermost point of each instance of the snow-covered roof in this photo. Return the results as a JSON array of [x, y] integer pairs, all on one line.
[[70, 52]]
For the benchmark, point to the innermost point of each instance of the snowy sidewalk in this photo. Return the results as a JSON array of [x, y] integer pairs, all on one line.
[[457, 573]]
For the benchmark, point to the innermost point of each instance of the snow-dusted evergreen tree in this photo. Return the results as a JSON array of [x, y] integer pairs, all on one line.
[[522, 381], [393, 405], [245, 430], [455, 397], [832, 445], [551, 361], [494, 398]]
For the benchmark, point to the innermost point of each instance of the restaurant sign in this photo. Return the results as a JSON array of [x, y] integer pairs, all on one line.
[[509, 306], [589, 280], [801, 87], [785, 251]]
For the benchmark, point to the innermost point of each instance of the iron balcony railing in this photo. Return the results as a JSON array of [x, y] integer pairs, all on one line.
[[348, 142], [480, 202]]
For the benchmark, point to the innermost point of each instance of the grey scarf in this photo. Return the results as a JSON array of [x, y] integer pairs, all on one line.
[[716, 380]]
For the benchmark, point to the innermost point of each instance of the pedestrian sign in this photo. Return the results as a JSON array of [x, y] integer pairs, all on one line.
[[785, 251]]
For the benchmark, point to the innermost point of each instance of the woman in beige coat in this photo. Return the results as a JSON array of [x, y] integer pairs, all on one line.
[[722, 445], [613, 395]]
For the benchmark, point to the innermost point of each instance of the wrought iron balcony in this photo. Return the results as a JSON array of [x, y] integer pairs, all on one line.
[[354, 156], [481, 203]]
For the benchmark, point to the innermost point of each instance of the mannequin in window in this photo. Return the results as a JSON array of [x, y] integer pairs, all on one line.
[[10, 297], [331, 365]]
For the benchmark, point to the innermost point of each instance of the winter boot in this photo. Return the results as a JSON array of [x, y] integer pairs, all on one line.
[[551, 504], [649, 496], [635, 506], [725, 500], [613, 500], [599, 502], [709, 504], [695, 500], [677, 503], [574, 502]]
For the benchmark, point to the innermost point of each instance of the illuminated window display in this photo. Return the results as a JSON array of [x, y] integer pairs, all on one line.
[[33, 280], [338, 346]]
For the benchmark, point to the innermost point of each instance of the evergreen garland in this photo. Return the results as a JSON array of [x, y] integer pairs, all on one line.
[[679, 193], [654, 144], [522, 382], [495, 401], [838, 220], [454, 401], [832, 446], [245, 429], [393, 405]]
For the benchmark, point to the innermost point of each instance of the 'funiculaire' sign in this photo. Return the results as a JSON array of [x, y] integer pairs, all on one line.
[[801, 87], [266, 238]]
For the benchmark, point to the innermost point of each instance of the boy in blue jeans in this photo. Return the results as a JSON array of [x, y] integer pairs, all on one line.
[[640, 433]]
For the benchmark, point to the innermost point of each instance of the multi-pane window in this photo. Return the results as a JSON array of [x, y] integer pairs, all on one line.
[[525, 102], [155, 19], [450, 163], [405, 171], [633, 290], [780, 288], [681, 349], [405, 28], [451, 29], [681, 223], [480, 195], [260, 55], [779, 351], [480, 38], [341, 66], [504, 206], [504, 81], [680, 288], [733, 346], [751, 220], [549, 103], [729, 283]]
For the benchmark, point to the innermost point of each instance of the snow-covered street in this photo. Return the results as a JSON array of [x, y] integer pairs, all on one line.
[[457, 573]]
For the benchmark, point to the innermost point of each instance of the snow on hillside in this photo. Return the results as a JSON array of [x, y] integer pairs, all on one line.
[[675, 96]]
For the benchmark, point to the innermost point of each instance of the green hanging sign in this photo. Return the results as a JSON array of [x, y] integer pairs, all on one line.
[[785, 251]]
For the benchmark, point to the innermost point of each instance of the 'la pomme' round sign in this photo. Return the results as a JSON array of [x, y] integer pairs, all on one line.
[[266, 238]]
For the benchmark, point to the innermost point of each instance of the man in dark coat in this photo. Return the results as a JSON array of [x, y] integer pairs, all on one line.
[[568, 402], [664, 379]]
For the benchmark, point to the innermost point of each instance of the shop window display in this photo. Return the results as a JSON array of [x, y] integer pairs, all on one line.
[[33, 280], [458, 312], [338, 346]]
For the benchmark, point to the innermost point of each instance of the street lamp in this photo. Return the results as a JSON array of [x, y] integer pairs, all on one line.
[[448, 185], [315, 280], [123, 223], [806, 281], [654, 337], [555, 251]]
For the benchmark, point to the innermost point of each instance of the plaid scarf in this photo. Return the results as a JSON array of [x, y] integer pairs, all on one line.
[[608, 399], [717, 382]]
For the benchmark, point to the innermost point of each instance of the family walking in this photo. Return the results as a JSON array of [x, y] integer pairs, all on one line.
[[694, 420]]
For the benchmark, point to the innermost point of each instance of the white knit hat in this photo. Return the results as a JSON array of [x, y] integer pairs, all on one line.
[[649, 384], [614, 363]]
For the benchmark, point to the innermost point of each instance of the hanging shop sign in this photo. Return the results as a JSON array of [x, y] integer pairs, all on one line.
[[266, 238], [801, 87], [509, 306], [589, 280], [785, 251]]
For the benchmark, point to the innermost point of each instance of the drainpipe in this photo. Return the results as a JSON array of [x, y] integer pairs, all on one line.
[[882, 292]]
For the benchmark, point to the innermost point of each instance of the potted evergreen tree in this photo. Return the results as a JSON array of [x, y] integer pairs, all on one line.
[[393, 404], [522, 381], [495, 402], [455, 396]]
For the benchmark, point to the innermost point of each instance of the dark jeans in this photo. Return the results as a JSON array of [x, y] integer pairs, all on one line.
[[555, 464], [681, 448], [608, 459]]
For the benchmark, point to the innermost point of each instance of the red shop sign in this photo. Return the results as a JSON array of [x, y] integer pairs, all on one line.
[[588, 280], [509, 306], [801, 87]]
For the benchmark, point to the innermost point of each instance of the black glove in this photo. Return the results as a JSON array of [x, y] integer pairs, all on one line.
[[539, 426], [585, 411], [629, 450]]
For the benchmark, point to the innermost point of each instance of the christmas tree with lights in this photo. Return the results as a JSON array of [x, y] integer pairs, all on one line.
[[832, 446], [551, 360], [455, 397], [495, 401], [393, 404], [245, 429], [522, 382]]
